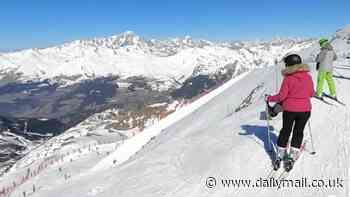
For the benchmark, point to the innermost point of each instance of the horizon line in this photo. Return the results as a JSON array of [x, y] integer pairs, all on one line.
[[160, 38]]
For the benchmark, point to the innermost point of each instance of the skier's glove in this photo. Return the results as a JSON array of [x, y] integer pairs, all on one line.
[[265, 97], [318, 65]]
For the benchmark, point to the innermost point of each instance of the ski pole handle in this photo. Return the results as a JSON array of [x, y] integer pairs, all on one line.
[[265, 98]]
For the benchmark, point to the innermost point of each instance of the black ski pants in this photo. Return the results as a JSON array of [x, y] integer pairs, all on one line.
[[299, 120]]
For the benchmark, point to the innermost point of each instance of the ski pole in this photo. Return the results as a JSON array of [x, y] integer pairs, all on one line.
[[268, 127], [276, 75], [312, 142]]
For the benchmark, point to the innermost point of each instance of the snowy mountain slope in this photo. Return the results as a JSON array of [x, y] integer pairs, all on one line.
[[128, 55], [207, 143], [131, 146], [343, 36]]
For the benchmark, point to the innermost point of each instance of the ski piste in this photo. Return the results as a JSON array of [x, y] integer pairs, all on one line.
[[332, 98]]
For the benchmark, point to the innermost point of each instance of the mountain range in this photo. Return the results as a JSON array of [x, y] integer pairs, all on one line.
[[211, 137], [51, 90]]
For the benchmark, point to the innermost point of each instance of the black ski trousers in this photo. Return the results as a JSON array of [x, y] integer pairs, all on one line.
[[299, 120]]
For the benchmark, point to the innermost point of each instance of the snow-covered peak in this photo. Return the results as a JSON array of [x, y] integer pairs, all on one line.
[[113, 42], [127, 38], [128, 54], [344, 33]]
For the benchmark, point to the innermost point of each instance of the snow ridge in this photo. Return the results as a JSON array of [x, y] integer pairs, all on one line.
[[132, 145], [128, 54]]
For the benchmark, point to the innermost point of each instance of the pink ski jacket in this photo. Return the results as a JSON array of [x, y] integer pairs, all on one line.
[[296, 90]]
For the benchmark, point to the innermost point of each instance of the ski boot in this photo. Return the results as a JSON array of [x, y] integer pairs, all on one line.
[[277, 164], [288, 163], [331, 96], [281, 152], [290, 158]]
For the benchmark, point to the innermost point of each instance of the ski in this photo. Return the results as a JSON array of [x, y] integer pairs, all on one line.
[[341, 77], [283, 175], [321, 99], [272, 174], [332, 98], [278, 174]]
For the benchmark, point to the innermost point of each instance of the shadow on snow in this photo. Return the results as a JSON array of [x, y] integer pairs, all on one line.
[[260, 133]]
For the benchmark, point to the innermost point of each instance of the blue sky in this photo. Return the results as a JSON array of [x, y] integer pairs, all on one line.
[[41, 23]]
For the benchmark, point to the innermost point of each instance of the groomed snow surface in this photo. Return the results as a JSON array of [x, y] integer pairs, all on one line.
[[201, 140]]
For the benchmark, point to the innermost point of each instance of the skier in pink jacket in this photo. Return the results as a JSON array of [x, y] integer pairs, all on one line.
[[295, 95]]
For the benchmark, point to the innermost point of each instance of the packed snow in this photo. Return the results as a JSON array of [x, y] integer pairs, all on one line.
[[203, 139], [207, 142]]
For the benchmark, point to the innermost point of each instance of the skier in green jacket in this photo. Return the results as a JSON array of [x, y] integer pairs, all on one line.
[[324, 66]]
